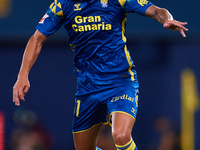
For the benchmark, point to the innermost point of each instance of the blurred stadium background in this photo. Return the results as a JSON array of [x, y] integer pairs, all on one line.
[[168, 67]]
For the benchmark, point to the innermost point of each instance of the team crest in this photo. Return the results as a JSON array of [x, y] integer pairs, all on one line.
[[142, 2], [104, 3], [77, 6]]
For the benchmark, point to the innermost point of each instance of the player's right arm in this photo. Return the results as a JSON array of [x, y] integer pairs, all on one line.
[[50, 23], [31, 53]]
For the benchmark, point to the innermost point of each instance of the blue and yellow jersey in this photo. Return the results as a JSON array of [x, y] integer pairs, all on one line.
[[96, 30]]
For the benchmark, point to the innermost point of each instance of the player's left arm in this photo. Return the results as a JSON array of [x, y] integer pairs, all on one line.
[[163, 16]]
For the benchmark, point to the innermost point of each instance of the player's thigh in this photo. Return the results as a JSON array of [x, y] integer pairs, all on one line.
[[87, 140], [122, 125], [124, 103], [89, 115], [88, 112], [123, 110]]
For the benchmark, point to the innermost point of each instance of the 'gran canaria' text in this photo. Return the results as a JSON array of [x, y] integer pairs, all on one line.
[[96, 24]]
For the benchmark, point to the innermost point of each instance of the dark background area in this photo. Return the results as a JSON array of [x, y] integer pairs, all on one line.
[[160, 55]]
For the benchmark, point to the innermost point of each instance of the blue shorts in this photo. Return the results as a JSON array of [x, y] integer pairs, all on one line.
[[93, 108]]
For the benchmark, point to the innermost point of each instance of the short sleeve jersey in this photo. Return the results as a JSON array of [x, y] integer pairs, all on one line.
[[96, 30]]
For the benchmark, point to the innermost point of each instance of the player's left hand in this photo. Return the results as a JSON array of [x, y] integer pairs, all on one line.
[[176, 26]]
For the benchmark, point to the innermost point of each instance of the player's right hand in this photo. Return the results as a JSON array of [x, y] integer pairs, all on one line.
[[20, 88]]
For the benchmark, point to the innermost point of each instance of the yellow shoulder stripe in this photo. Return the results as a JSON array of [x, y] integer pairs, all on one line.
[[122, 2], [56, 8], [59, 5]]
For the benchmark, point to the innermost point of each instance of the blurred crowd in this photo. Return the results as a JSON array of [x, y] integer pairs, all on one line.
[[29, 133]]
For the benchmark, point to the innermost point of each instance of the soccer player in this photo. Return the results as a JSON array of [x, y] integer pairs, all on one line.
[[106, 78]]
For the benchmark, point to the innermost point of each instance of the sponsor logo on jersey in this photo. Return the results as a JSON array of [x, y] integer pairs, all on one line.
[[123, 97], [104, 3], [77, 6], [89, 23], [142, 2], [43, 18]]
